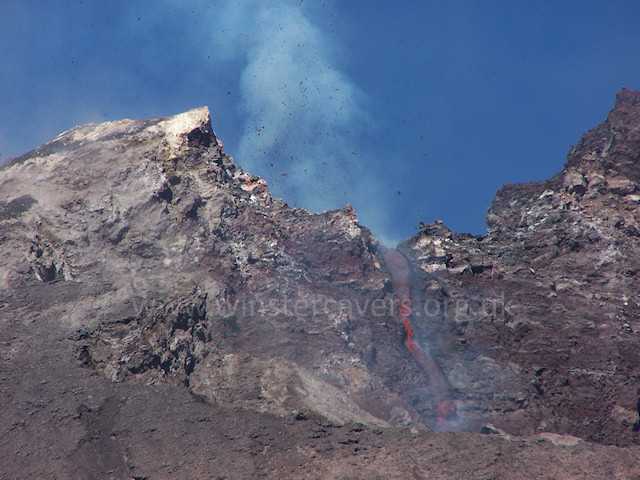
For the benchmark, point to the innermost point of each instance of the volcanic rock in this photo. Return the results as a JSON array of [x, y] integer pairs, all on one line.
[[543, 314], [162, 316]]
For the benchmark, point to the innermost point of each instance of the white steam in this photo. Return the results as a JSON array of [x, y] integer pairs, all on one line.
[[302, 116]]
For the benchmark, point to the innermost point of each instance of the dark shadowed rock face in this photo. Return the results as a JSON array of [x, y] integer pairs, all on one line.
[[163, 316]]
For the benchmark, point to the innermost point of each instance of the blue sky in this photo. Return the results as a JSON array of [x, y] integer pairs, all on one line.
[[408, 110]]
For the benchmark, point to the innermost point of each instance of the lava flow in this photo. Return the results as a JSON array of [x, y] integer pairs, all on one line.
[[443, 405]]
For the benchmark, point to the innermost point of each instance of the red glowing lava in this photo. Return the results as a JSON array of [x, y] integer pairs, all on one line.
[[443, 405]]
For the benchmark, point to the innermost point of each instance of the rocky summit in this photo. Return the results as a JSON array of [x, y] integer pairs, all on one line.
[[163, 316]]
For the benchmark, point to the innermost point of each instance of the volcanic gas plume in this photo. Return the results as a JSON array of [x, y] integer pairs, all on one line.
[[443, 405]]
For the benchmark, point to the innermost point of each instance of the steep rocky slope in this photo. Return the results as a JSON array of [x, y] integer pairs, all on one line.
[[542, 327], [162, 316]]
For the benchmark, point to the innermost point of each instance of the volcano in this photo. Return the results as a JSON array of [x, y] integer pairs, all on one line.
[[163, 316]]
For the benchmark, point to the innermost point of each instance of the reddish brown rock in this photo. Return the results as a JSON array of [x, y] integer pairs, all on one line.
[[162, 316], [549, 299]]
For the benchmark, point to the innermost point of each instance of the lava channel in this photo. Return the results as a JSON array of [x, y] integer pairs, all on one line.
[[443, 404]]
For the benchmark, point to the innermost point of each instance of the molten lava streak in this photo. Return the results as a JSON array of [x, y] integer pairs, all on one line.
[[443, 405]]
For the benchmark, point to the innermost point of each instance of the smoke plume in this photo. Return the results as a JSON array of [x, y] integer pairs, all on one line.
[[302, 116]]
